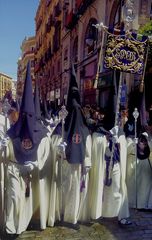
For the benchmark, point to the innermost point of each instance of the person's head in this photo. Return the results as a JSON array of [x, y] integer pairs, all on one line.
[[95, 115], [143, 150], [13, 116], [86, 111], [101, 114]]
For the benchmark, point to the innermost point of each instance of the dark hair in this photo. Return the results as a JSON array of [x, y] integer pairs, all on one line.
[[143, 153]]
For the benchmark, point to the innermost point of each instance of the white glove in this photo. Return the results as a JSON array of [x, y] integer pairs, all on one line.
[[86, 170], [56, 120], [114, 130], [115, 139], [114, 133], [4, 142], [28, 167], [61, 147]]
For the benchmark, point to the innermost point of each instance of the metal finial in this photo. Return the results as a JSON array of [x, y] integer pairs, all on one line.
[[136, 114], [63, 113]]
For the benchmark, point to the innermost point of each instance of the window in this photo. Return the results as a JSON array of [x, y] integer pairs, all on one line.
[[57, 36], [91, 37], [75, 50], [66, 54]]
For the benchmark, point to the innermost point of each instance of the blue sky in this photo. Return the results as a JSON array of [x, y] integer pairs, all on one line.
[[16, 23]]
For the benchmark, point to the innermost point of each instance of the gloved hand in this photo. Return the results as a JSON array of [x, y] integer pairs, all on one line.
[[114, 133], [4, 142], [86, 170], [28, 167], [56, 120], [114, 130], [115, 139], [61, 147]]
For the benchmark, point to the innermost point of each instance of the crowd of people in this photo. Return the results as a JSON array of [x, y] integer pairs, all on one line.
[[75, 167]]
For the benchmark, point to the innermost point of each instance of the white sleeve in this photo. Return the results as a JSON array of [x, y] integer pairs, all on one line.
[[87, 160]]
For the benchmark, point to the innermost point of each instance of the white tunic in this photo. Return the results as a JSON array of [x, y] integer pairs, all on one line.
[[66, 198], [21, 209], [143, 199], [55, 188], [107, 201], [2, 134]]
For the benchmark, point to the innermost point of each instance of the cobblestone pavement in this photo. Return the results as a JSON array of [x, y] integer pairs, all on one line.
[[104, 229]]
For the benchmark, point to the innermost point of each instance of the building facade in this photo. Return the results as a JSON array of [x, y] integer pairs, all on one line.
[[14, 87], [5, 84], [49, 50], [27, 54], [66, 33]]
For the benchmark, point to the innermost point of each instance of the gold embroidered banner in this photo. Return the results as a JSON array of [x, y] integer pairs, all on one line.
[[125, 53]]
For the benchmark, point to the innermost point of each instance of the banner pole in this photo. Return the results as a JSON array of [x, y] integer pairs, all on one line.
[[136, 115]]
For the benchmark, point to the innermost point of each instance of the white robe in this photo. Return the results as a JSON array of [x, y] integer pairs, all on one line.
[[20, 209], [107, 201], [2, 134], [1, 192], [76, 201], [143, 199], [55, 188], [74, 205]]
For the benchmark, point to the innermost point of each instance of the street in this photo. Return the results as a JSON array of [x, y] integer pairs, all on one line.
[[104, 229]]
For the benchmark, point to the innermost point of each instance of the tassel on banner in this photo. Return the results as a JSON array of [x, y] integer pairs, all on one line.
[[141, 87], [100, 60], [96, 81]]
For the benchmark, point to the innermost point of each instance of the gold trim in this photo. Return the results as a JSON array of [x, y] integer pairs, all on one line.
[[125, 54]]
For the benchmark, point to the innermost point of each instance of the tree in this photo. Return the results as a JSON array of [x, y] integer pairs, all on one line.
[[147, 31]]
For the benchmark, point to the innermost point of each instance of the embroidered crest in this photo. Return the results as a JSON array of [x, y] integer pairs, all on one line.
[[27, 143], [130, 127], [125, 53], [76, 138]]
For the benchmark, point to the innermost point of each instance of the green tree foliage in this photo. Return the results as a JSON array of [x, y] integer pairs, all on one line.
[[147, 31]]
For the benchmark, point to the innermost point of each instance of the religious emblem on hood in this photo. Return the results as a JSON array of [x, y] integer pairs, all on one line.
[[76, 138], [26, 143]]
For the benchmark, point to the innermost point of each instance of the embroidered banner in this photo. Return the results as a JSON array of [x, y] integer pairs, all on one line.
[[125, 53]]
